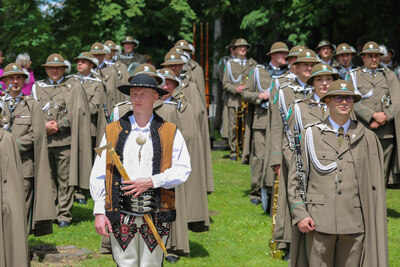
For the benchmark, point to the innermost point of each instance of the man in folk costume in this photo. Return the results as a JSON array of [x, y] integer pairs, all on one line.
[[379, 109], [174, 61], [130, 56], [14, 249], [344, 55], [288, 92], [154, 156], [305, 112], [110, 59], [256, 92], [67, 121], [336, 189], [22, 117], [237, 72]]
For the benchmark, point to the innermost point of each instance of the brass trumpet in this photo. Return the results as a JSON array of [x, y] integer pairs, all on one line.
[[241, 113]]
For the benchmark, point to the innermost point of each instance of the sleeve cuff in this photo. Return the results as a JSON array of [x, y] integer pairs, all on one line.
[[99, 207]]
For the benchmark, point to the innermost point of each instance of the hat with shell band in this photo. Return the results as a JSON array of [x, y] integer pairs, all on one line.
[[278, 47], [13, 69], [344, 49], [371, 48], [321, 69], [241, 41], [55, 60], [97, 49], [341, 87], [183, 45], [307, 56], [141, 81], [169, 75], [87, 56], [295, 51], [172, 58], [324, 43], [148, 69], [111, 44], [130, 39]]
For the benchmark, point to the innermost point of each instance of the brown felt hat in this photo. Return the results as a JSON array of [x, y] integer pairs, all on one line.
[[295, 51], [87, 56], [341, 87], [321, 69], [172, 58], [168, 74], [130, 39], [231, 44], [278, 47], [371, 48], [307, 55], [97, 49], [13, 69], [324, 43], [182, 44], [344, 49], [55, 60], [148, 69], [111, 44], [241, 41]]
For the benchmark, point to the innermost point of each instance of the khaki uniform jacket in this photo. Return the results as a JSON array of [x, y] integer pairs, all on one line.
[[195, 73], [131, 58], [353, 202], [384, 84], [233, 98], [30, 134], [73, 118], [311, 113], [14, 249]]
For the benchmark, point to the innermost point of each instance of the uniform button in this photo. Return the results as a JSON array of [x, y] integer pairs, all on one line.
[[340, 181], [323, 156], [340, 169], [116, 183], [5, 180], [126, 131], [376, 104], [374, 187], [339, 192], [115, 210], [340, 158]]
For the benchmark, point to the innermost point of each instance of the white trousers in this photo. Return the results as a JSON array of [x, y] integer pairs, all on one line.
[[137, 254]]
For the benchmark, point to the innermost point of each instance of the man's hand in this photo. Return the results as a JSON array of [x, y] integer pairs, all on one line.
[[51, 127], [277, 170], [380, 117], [264, 95], [306, 225], [137, 186], [373, 125], [239, 89], [100, 224]]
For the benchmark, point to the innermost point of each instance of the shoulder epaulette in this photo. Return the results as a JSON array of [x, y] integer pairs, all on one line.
[[122, 103], [109, 63], [312, 124]]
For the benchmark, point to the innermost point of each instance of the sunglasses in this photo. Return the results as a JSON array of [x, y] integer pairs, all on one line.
[[340, 98]]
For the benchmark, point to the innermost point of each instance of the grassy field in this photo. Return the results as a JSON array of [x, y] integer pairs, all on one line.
[[239, 231]]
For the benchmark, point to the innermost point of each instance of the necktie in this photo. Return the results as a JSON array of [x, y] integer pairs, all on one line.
[[340, 136], [11, 104]]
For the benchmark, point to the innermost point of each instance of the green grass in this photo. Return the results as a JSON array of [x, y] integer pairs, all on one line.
[[239, 231]]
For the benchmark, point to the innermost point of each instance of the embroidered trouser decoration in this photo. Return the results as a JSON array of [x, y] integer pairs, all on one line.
[[125, 231], [148, 237]]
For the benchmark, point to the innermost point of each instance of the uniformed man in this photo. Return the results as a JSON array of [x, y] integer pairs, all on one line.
[[174, 61], [150, 179], [66, 112], [325, 51], [256, 92], [14, 249], [221, 116], [235, 77], [110, 59], [388, 58], [288, 92], [379, 109], [22, 117], [337, 197], [344, 55], [129, 56]]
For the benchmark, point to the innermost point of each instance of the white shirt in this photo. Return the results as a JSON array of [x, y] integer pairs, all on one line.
[[172, 177], [336, 126]]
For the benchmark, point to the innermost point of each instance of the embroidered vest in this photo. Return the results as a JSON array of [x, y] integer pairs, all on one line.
[[162, 134]]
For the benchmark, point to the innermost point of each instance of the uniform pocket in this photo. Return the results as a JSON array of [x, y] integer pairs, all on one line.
[[22, 121]]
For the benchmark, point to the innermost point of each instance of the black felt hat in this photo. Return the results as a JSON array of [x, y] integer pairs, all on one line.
[[143, 81]]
